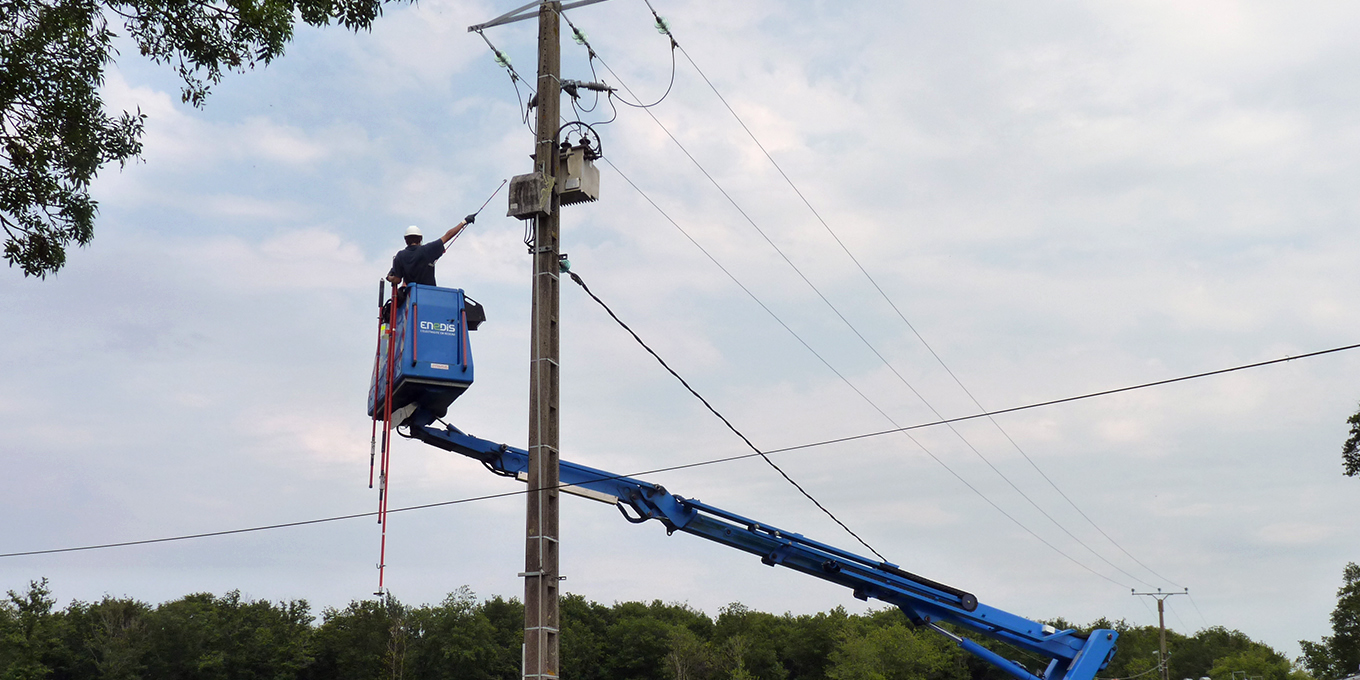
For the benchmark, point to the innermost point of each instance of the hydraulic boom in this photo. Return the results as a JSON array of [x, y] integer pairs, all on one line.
[[925, 602], [432, 364]]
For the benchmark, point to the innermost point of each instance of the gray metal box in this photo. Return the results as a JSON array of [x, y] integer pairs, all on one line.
[[530, 196], [580, 178]]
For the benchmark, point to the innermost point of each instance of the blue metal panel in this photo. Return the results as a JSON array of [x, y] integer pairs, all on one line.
[[432, 359]]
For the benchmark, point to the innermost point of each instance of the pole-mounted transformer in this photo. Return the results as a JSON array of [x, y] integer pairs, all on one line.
[[579, 182]]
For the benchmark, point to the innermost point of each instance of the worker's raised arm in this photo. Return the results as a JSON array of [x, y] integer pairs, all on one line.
[[448, 235]]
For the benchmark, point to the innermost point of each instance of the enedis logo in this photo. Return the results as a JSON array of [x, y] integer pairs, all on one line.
[[438, 327]]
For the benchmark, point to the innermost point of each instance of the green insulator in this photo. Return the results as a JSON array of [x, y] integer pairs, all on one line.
[[578, 36], [564, 265], [662, 26]]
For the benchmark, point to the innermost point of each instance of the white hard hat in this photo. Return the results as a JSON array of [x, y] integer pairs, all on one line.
[[413, 230]]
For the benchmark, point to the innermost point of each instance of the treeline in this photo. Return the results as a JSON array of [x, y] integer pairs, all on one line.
[[207, 637]]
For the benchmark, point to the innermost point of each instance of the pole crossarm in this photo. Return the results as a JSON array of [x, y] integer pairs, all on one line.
[[528, 11]]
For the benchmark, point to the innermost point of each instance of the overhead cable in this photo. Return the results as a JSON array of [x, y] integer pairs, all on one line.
[[515, 79], [728, 423], [711, 461], [661, 24], [898, 429], [929, 349], [581, 39]]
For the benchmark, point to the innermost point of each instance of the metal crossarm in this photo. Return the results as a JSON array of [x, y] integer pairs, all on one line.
[[529, 11]]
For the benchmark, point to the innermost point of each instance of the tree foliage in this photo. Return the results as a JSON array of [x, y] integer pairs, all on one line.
[[1338, 655], [1255, 663], [206, 637], [1350, 451], [55, 134], [30, 634]]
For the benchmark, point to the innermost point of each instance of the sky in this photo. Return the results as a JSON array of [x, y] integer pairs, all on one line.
[[1059, 198]]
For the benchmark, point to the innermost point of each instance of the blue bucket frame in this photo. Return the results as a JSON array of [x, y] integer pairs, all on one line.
[[431, 353]]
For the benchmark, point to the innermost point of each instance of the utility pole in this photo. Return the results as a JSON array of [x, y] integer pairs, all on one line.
[[536, 196], [1161, 623], [541, 577]]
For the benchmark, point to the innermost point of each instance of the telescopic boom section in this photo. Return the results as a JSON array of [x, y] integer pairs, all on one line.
[[925, 602]]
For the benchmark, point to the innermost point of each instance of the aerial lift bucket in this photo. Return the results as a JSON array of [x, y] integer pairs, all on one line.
[[431, 356]]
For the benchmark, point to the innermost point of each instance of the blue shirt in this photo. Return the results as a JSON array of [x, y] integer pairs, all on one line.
[[415, 263]]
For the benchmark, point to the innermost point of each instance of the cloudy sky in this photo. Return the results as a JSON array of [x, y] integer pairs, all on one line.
[[1060, 197]]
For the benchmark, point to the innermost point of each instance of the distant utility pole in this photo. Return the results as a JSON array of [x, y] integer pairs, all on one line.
[[1161, 623]]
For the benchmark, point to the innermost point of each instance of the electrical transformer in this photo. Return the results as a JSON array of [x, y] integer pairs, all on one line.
[[580, 177]]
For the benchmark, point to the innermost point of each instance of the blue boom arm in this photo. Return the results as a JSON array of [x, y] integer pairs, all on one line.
[[925, 602]]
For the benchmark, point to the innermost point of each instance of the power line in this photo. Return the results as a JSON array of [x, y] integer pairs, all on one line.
[[581, 38], [876, 353], [284, 525], [728, 423], [866, 398], [515, 78], [881, 358], [922, 339], [851, 385], [711, 461], [1197, 611]]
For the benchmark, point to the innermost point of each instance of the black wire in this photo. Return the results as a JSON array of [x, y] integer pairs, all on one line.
[[665, 94], [661, 24], [592, 56], [728, 423], [956, 475], [930, 349], [880, 356], [858, 391], [515, 80], [593, 78], [1052, 402], [590, 61], [615, 109], [703, 463], [250, 529]]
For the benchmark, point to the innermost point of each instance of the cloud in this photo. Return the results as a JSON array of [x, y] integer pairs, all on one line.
[[1285, 534], [1060, 199]]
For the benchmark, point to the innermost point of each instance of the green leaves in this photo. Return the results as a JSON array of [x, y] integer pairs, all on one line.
[[1350, 451], [1338, 655], [30, 639], [206, 637], [895, 652], [54, 132], [1255, 663]]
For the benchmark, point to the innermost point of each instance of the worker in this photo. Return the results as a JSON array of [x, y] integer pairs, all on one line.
[[415, 262]]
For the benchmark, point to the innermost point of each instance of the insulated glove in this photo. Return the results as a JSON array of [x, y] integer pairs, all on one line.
[[470, 218]]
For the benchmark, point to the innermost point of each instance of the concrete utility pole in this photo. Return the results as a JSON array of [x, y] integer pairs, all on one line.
[[537, 198], [1161, 623], [541, 578]]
